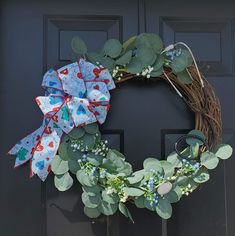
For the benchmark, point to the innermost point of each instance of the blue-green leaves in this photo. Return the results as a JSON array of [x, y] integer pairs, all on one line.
[[79, 46], [112, 48], [224, 151]]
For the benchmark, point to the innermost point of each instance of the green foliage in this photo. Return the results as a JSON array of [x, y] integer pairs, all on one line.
[[92, 212], [91, 128], [209, 160], [184, 77], [175, 160], [152, 163], [58, 166], [125, 58], [135, 66], [164, 209], [78, 46], [112, 48], [192, 141], [77, 133], [91, 201], [181, 62], [224, 151], [201, 176], [107, 209], [63, 182], [85, 179], [133, 192], [124, 210]]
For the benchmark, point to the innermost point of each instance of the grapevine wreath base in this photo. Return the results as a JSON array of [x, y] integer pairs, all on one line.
[[77, 98]]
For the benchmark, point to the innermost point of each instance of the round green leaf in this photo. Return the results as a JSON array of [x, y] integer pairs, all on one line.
[[146, 55], [139, 202], [164, 209], [158, 63], [94, 57], [112, 48], [92, 191], [110, 198], [92, 212], [91, 128], [130, 43], [74, 154], [73, 166], [224, 151], [63, 151], [164, 188], [168, 168], [135, 66], [174, 195], [107, 209], [134, 192], [152, 164], [96, 160], [107, 62], [175, 160], [77, 133], [209, 160], [124, 59], [149, 205], [59, 166], [179, 63], [63, 182], [85, 179], [78, 46], [201, 176], [89, 141], [184, 77], [90, 201], [136, 177]]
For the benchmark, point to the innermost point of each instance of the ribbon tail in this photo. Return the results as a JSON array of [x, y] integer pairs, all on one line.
[[24, 148], [45, 152]]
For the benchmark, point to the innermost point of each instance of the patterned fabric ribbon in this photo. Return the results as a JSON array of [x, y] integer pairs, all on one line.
[[76, 94]]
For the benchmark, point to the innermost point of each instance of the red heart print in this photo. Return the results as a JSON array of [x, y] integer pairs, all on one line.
[[64, 72], [106, 81], [96, 113], [51, 144], [55, 118], [39, 148], [48, 130], [79, 75], [97, 87], [96, 72], [38, 137], [47, 158], [55, 109]]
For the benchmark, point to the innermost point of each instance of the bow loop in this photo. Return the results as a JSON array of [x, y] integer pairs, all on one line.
[[76, 94]]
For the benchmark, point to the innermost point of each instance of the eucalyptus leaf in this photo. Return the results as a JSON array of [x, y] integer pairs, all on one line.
[[124, 210], [110, 198], [73, 166], [146, 55], [78, 46], [174, 195], [125, 58], [59, 166], [94, 159], [77, 133], [85, 179], [209, 160], [112, 48], [201, 176], [94, 57], [139, 202], [158, 64], [149, 205], [108, 63], [63, 151], [89, 141], [92, 212], [136, 177], [91, 128], [92, 191], [133, 192], [224, 151], [152, 164], [184, 77], [129, 44], [90, 201], [107, 209], [174, 159], [168, 169], [135, 66], [63, 182], [164, 209]]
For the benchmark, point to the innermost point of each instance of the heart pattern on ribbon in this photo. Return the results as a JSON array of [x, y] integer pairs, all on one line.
[[76, 94]]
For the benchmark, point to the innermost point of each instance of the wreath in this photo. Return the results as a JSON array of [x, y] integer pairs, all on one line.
[[77, 98]]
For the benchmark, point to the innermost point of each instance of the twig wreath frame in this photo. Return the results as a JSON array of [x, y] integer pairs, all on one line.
[[69, 141]]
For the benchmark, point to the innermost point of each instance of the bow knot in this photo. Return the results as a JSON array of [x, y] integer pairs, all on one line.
[[76, 94]]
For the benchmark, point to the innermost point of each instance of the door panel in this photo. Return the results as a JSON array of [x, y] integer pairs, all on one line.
[[145, 118]]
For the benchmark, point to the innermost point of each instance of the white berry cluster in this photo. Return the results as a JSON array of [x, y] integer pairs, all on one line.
[[146, 72], [187, 190], [115, 73], [101, 148]]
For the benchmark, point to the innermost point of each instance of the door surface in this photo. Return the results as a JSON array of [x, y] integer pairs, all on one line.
[[36, 35]]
